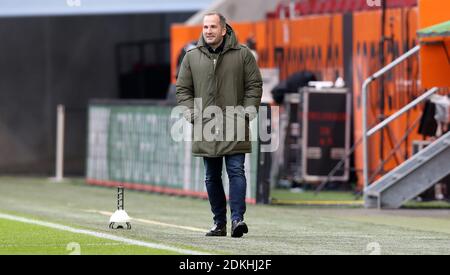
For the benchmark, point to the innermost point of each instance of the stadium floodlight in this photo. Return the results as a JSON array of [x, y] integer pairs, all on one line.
[[120, 218]]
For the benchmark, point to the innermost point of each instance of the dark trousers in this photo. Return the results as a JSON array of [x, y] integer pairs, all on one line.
[[238, 186]]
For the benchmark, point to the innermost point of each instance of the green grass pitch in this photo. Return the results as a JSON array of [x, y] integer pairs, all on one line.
[[181, 223], [19, 238]]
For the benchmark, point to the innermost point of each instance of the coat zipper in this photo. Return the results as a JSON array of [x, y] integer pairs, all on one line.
[[215, 102]]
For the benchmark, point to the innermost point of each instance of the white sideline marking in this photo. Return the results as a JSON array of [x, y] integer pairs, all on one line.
[[105, 213], [100, 235]]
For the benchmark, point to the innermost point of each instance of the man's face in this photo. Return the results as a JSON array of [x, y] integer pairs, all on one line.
[[213, 32]]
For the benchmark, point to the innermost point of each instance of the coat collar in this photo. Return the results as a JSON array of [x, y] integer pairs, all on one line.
[[219, 49]]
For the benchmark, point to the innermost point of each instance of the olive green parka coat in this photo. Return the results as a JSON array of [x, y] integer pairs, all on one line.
[[229, 79]]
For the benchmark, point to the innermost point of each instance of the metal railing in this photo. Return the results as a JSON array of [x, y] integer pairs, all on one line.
[[370, 132]]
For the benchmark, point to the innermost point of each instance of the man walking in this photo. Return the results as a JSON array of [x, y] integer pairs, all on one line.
[[220, 72]]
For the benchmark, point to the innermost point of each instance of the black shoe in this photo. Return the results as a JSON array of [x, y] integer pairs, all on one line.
[[217, 231], [238, 228]]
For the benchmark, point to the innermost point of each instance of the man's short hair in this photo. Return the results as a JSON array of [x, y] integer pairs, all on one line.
[[223, 20]]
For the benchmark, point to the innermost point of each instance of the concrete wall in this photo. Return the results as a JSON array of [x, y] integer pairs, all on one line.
[[61, 60]]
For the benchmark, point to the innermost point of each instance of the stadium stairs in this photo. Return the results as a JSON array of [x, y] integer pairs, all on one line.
[[413, 177]]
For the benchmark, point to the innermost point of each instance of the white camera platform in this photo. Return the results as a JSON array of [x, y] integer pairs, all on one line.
[[120, 220]]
